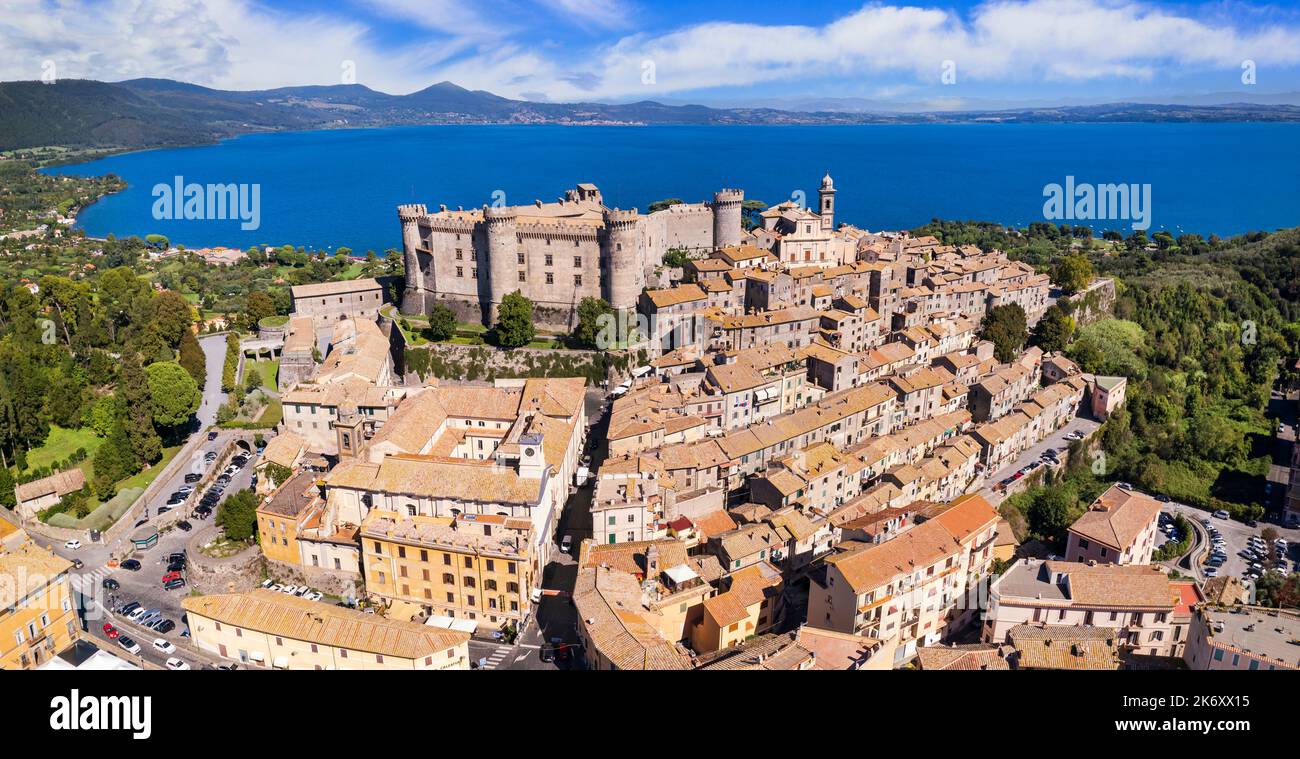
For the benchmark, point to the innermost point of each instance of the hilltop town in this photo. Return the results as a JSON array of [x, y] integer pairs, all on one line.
[[813, 454]]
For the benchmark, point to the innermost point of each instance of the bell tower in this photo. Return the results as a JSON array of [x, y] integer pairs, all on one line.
[[826, 202]]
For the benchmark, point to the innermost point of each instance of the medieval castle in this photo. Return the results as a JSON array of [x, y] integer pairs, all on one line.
[[555, 253]]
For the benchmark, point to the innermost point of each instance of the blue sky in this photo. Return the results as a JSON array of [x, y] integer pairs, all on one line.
[[890, 53]]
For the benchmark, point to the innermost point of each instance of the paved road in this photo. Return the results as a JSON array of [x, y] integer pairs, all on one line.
[[1034, 453], [214, 353]]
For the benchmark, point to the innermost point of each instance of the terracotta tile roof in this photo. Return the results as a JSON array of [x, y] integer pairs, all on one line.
[[922, 546], [1064, 647], [1117, 517], [976, 656], [274, 613], [59, 484]]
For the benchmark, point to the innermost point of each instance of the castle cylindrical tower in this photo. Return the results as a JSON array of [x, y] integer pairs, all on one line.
[[726, 217], [502, 252], [621, 248], [413, 299]]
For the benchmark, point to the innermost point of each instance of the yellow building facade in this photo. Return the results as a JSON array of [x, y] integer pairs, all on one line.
[[476, 567], [37, 617]]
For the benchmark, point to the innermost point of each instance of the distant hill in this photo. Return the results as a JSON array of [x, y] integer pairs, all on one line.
[[161, 112]]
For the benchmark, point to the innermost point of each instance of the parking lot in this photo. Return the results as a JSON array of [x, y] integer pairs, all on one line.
[[1233, 540], [145, 585]]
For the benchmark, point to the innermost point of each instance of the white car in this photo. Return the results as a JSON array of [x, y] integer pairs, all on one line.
[[72, 545], [316, 596], [164, 646], [177, 664]]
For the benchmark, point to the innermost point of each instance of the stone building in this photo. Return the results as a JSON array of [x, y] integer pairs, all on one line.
[[327, 302], [555, 253]]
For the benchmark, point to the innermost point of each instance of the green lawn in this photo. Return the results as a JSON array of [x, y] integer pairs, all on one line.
[[61, 444], [269, 371], [142, 478]]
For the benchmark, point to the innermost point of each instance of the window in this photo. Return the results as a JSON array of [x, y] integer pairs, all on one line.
[[469, 563], [550, 278], [577, 262], [460, 271], [549, 259], [577, 280], [523, 277]]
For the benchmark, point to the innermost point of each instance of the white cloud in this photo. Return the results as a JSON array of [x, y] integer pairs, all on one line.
[[242, 45]]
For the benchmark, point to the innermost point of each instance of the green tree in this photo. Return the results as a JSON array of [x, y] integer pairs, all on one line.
[[133, 386], [258, 306], [237, 515], [114, 461], [173, 393], [1054, 330], [104, 414], [589, 312], [64, 399], [7, 498], [442, 322], [170, 317], [193, 359], [514, 326], [1052, 513], [1005, 327], [676, 257], [1072, 273], [278, 473], [660, 205]]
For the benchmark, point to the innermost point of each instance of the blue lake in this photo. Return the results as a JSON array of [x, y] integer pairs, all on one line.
[[336, 188]]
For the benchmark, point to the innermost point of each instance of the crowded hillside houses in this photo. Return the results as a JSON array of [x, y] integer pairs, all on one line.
[[802, 476]]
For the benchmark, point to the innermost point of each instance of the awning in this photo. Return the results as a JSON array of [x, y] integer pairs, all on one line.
[[257, 656], [281, 662]]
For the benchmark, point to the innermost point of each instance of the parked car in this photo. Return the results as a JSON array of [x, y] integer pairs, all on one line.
[[110, 631], [127, 608], [1211, 571], [129, 645], [165, 626], [566, 543], [1221, 514], [174, 584], [171, 575], [177, 664], [163, 510], [131, 565], [110, 584], [192, 477], [212, 435], [72, 545], [184, 526]]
